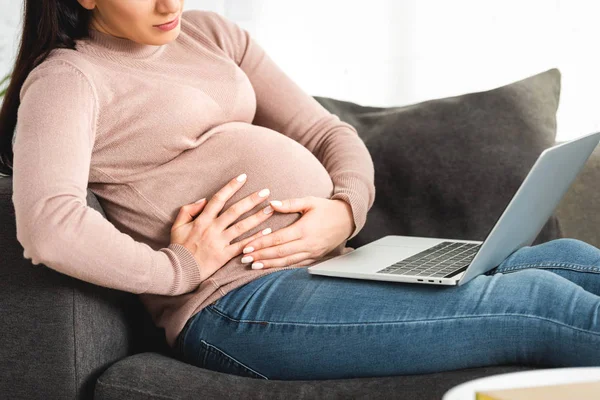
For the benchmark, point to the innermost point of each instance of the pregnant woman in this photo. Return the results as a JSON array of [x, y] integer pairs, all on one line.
[[186, 131]]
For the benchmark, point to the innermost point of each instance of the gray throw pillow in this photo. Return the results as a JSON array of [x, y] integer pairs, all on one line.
[[448, 167]]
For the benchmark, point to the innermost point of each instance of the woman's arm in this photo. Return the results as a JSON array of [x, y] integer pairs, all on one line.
[[56, 128], [284, 107]]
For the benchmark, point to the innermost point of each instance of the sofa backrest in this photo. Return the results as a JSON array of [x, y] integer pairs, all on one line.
[[579, 211], [577, 215]]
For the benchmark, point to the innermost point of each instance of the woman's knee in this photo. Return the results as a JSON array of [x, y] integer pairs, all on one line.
[[566, 251], [572, 244], [574, 251]]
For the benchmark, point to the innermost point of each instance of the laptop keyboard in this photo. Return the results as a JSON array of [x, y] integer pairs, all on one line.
[[443, 260]]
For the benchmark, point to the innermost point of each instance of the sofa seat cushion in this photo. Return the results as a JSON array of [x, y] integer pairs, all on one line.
[[155, 376]]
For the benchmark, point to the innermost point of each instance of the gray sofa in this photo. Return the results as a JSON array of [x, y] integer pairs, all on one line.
[[64, 338]]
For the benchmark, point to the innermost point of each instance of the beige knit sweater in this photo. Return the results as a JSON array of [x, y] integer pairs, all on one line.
[[152, 128]]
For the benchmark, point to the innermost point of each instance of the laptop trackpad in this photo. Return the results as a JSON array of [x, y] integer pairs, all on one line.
[[374, 259]]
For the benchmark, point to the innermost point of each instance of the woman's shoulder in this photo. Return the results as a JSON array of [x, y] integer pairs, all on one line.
[[64, 61], [219, 30], [202, 18], [210, 22], [62, 69]]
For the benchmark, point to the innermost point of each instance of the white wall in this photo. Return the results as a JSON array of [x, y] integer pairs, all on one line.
[[10, 19], [397, 52]]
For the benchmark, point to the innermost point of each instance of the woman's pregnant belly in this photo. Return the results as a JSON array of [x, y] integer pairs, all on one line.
[[270, 159]]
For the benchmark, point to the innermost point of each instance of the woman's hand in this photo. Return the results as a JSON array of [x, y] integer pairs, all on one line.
[[207, 233], [324, 225]]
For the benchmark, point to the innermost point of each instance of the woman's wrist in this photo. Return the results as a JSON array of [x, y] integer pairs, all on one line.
[[351, 224]]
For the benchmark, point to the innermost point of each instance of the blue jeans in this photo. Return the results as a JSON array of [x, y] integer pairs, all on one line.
[[539, 307]]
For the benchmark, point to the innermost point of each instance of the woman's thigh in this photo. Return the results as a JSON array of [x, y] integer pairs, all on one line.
[[292, 325], [572, 259]]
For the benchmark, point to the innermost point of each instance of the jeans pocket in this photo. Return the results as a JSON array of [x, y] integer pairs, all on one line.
[[215, 359]]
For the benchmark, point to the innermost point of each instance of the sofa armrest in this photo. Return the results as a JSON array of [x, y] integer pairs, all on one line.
[[59, 333]]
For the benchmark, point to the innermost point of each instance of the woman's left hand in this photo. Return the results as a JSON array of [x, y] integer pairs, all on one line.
[[324, 225]]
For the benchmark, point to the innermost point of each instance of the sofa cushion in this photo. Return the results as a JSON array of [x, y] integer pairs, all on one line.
[[448, 167], [154, 376]]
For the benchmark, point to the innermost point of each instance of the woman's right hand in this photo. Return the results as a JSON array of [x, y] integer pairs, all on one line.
[[209, 237]]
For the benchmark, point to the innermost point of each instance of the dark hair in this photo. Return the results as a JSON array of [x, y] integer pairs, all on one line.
[[47, 24]]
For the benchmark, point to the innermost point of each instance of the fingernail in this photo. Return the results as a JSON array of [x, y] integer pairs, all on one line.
[[242, 177], [276, 203], [263, 193], [200, 201], [247, 259], [268, 210], [257, 265], [248, 249], [266, 232]]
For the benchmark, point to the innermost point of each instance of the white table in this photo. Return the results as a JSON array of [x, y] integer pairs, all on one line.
[[513, 380]]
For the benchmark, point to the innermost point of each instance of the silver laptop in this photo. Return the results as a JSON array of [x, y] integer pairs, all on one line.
[[438, 261]]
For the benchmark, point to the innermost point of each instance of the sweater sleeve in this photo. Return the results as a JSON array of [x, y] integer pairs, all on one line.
[[284, 107], [56, 128]]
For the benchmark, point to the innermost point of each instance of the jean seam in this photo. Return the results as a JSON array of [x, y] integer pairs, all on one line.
[[215, 349], [571, 266], [409, 321]]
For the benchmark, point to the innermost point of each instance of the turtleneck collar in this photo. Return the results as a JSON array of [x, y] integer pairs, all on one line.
[[121, 46]]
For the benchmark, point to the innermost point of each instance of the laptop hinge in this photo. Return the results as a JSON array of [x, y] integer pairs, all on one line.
[[457, 271]]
